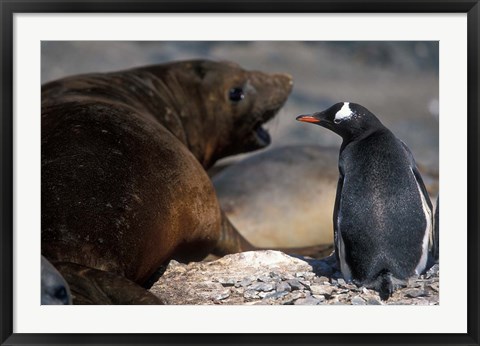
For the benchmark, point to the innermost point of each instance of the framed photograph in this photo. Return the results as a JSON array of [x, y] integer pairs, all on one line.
[[414, 65]]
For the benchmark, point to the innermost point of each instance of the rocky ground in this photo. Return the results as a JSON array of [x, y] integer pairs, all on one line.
[[274, 278]]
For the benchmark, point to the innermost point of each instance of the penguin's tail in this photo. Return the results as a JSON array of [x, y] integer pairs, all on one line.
[[385, 283]]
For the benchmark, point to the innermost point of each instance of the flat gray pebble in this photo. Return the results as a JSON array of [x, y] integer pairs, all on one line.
[[250, 294], [276, 276], [357, 300], [283, 287], [307, 301], [226, 282], [321, 298], [352, 287], [222, 295], [415, 293], [295, 284], [262, 286], [297, 295], [287, 276], [309, 275], [322, 290], [432, 271], [263, 294], [265, 278], [323, 280], [373, 301], [244, 283], [305, 283], [275, 295]]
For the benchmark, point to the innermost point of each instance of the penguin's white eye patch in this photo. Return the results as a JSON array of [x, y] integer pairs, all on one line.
[[344, 113]]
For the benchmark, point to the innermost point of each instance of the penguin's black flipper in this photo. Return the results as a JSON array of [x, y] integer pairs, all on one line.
[[418, 177], [436, 244], [340, 250], [335, 218], [433, 233]]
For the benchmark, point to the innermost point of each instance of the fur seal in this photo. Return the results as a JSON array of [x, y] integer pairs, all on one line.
[[124, 159], [383, 214], [271, 208], [54, 288]]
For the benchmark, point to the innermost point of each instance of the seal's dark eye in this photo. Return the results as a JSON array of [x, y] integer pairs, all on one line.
[[236, 94]]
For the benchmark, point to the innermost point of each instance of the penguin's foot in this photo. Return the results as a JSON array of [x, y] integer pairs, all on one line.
[[385, 284]]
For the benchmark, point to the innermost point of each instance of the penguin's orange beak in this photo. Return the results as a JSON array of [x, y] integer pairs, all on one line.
[[308, 119]]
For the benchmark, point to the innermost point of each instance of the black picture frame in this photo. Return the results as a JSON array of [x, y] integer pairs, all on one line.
[[10, 7]]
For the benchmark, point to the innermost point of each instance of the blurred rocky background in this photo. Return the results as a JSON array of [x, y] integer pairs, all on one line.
[[397, 81]]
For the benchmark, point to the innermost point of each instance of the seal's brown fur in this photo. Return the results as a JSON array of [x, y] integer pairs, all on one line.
[[124, 159]]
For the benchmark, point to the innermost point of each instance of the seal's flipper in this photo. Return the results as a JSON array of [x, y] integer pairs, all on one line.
[[92, 286], [230, 241]]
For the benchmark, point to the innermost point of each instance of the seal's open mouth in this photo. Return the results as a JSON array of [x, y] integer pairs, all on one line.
[[262, 136]]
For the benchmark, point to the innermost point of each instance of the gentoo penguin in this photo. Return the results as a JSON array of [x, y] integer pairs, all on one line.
[[382, 215]]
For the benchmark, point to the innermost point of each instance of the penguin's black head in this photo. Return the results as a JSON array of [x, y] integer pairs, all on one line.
[[347, 119]]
